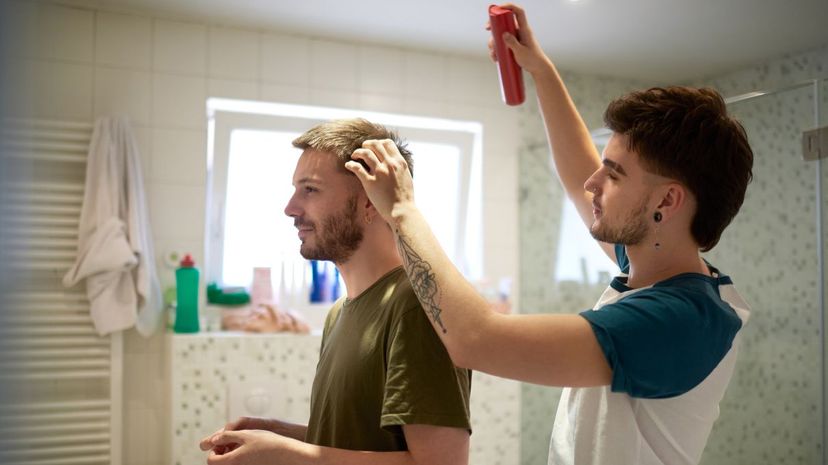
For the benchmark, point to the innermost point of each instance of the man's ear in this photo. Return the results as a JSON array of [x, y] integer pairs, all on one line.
[[673, 198], [371, 212]]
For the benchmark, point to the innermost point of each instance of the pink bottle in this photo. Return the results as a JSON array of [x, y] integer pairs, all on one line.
[[261, 290]]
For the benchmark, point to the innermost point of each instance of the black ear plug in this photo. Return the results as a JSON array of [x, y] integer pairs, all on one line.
[[657, 217]]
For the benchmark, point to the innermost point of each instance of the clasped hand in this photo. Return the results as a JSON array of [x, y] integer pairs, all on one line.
[[234, 445]]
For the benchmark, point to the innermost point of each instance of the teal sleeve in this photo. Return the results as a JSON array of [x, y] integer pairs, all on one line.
[[663, 342]]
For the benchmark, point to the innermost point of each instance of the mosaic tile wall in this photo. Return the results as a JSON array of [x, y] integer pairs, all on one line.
[[212, 375], [769, 250]]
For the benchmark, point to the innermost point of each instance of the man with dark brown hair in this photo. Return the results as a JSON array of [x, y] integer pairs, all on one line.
[[385, 391], [645, 369]]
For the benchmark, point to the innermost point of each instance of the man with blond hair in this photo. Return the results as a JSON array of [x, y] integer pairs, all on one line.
[[385, 391]]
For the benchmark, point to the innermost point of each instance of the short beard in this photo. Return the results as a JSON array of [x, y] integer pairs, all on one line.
[[632, 231], [338, 237]]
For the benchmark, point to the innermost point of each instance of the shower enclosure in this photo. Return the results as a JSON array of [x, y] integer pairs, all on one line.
[[775, 250]]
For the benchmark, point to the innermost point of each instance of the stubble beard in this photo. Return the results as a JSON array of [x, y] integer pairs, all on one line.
[[338, 237], [632, 232]]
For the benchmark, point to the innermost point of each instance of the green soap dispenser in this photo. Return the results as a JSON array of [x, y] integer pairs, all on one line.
[[186, 283]]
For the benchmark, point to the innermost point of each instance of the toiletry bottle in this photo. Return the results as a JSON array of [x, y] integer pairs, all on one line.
[[186, 282], [509, 72]]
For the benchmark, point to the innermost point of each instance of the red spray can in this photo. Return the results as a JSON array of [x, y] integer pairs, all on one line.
[[509, 72]]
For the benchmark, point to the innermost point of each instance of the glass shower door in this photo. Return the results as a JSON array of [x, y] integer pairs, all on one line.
[[822, 117], [773, 410]]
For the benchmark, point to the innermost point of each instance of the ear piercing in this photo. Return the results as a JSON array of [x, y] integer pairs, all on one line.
[[657, 218]]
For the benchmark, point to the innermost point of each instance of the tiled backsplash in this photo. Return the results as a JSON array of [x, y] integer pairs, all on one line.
[[211, 375]]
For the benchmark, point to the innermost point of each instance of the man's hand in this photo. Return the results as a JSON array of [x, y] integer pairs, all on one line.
[[266, 424], [251, 447], [525, 47], [387, 180]]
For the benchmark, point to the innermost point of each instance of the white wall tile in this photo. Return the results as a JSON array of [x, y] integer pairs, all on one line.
[[285, 59], [500, 154], [179, 156], [123, 92], [177, 212], [63, 90], [234, 53], [285, 94], [135, 343], [21, 29], [380, 70], [143, 139], [333, 65], [500, 220], [424, 107], [424, 75], [68, 33], [502, 261], [180, 47], [383, 103], [135, 430], [179, 101], [334, 98], [147, 370], [123, 40], [141, 425], [473, 80], [227, 88], [500, 177], [19, 74]]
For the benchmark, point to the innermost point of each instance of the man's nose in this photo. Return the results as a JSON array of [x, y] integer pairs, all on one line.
[[291, 209]]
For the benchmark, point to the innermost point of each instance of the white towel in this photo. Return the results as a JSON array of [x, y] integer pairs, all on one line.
[[115, 253]]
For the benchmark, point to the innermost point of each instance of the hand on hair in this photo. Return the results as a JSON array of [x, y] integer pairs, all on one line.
[[387, 180]]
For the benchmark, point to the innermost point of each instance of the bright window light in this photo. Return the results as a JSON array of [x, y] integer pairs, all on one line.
[[259, 183], [438, 165], [250, 166]]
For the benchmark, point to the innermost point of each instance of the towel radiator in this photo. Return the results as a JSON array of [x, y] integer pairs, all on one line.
[[65, 379]]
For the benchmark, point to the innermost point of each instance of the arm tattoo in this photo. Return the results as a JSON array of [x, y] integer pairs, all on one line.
[[422, 279]]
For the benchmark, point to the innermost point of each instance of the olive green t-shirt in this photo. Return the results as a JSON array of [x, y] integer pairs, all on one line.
[[382, 366]]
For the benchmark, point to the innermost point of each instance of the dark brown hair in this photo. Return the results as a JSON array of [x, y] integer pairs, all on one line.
[[342, 137], [685, 134]]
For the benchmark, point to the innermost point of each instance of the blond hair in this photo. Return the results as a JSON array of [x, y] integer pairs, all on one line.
[[342, 137]]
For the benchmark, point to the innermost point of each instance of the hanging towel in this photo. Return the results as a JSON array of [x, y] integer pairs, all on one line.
[[115, 253]]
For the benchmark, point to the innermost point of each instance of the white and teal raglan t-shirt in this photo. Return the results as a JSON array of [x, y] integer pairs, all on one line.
[[672, 349]]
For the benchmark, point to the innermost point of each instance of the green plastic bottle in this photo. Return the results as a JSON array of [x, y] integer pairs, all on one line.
[[186, 283]]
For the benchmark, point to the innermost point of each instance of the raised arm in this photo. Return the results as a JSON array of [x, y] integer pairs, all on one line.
[[573, 151], [558, 350]]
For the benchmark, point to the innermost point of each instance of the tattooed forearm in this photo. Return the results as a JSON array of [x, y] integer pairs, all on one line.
[[422, 279]]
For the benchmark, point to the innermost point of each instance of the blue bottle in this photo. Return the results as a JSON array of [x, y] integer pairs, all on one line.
[[186, 283]]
